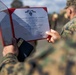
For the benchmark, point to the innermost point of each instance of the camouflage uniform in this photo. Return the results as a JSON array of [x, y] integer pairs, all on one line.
[[69, 33], [48, 62], [11, 66]]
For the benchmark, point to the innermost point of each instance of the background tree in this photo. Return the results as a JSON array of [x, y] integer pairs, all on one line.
[[17, 4]]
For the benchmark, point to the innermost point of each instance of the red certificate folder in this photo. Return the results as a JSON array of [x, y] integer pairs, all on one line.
[[27, 23]]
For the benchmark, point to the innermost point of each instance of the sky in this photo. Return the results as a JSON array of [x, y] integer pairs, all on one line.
[[52, 5]]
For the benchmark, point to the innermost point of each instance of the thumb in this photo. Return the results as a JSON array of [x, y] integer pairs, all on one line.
[[49, 33]]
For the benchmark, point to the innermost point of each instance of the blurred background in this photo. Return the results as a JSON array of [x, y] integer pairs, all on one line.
[[48, 59]]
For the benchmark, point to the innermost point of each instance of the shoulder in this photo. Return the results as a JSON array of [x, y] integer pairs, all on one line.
[[69, 28], [71, 25]]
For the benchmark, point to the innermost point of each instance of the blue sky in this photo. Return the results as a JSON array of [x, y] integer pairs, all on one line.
[[52, 5]]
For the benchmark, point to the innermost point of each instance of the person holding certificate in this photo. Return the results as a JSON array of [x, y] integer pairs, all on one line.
[[10, 64]]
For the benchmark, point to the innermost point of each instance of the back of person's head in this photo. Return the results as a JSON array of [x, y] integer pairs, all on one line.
[[71, 3], [71, 8]]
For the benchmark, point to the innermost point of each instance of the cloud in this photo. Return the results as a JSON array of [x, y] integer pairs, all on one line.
[[52, 5]]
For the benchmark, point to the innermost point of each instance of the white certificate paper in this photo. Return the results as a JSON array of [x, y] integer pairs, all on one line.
[[30, 23]]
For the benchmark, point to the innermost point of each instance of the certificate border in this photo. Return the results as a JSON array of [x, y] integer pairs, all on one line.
[[11, 10]]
